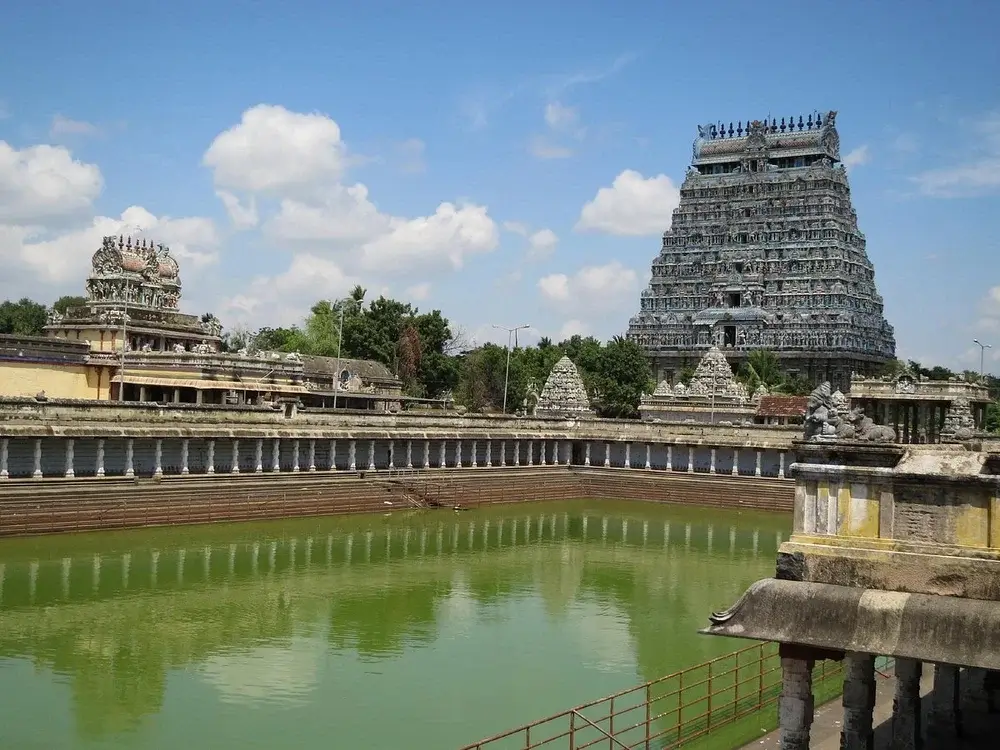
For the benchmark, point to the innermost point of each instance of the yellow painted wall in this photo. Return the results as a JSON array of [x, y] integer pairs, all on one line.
[[58, 381]]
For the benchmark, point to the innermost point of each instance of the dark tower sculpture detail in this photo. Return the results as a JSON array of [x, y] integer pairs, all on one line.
[[764, 252]]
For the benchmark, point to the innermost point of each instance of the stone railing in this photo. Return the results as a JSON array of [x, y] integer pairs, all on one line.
[[28, 417]]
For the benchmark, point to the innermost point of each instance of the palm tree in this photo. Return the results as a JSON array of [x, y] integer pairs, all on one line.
[[762, 367]]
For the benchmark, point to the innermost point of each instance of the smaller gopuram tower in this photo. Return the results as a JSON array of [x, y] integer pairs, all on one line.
[[764, 252]]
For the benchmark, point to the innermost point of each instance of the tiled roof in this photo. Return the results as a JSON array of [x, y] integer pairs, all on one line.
[[366, 369], [782, 406]]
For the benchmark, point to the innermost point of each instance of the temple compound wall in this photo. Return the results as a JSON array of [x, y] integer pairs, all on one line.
[[764, 252], [895, 551]]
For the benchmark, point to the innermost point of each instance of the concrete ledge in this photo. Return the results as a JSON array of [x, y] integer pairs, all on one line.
[[939, 629]]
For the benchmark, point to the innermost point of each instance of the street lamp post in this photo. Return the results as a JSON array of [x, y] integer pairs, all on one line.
[[340, 338], [506, 376], [982, 354]]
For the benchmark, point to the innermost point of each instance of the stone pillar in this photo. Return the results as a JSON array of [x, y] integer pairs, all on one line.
[[4, 458], [586, 454], [129, 455], [158, 459], [569, 452], [628, 455], [756, 466], [475, 450], [711, 465], [427, 454], [69, 473], [392, 454], [649, 450], [690, 459], [295, 454], [531, 452], [211, 457], [781, 465], [607, 455], [670, 458], [458, 454], [37, 472], [333, 455], [795, 705], [503, 452], [517, 453], [859, 702], [312, 454], [489, 454], [352, 455], [185, 451], [944, 720], [235, 468], [258, 456], [371, 455], [736, 462], [906, 706], [276, 456], [442, 455], [409, 454]]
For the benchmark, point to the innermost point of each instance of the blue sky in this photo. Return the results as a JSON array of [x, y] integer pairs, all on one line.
[[504, 163]]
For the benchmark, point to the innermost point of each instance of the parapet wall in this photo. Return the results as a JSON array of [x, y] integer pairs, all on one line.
[[27, 417]]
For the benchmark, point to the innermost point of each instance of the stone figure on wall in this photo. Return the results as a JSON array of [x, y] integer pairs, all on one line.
[[822, 417], [178, 348]]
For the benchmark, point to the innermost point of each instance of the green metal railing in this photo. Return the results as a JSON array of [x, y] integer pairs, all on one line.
[[667, 712]]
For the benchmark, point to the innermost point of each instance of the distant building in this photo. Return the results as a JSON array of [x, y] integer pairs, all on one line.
[[129, 341], [779, 409], [764, 252]]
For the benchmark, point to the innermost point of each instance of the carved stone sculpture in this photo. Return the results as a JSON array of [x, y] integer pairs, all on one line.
[[564, 392], [959, 424]]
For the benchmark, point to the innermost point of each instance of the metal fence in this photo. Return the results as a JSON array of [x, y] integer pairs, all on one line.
[[667, 712]]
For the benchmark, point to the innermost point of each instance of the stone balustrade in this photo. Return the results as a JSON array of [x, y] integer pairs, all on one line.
[[124, 455]]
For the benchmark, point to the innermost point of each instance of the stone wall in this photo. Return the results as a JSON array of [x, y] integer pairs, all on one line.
[[26, 417]]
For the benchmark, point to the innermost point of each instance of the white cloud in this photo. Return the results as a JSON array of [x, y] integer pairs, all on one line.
[[857, 157], [573, 328], [633, 205], [44, 184], [299, 159], [516, 227], [979, 175], [285, 298], [542, 147], [542, 243], [562, 118], [65, 126], [989, 308], [418, 292], [592, 289], [274, 150], [243, 216], [63, 258]]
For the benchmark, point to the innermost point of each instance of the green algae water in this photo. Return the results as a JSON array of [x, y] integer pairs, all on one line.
[[418, 630]]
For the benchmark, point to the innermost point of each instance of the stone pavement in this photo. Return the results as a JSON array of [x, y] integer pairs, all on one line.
[[980, 727]]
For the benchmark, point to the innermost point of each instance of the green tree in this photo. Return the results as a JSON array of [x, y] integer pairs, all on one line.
[[623, 375], [762, 367], [280, 339], [993, 417], [410, 353], [23, 318], [68, 301]]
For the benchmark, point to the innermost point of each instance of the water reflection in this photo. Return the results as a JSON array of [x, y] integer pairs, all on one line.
[[324, 620]]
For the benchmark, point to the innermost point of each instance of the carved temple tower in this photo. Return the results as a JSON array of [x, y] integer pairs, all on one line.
[[764, 252]]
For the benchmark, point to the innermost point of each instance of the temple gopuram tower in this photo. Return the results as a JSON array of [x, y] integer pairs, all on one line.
[[764, 252]]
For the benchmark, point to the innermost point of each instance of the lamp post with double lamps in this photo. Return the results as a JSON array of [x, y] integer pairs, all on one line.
[[506, 377], [982, 354], [340, 339]]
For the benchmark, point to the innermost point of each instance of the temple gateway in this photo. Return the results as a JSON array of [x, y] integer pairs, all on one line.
[[764, 252]]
